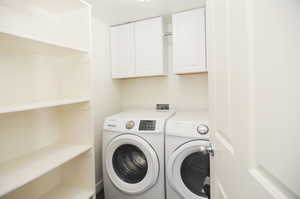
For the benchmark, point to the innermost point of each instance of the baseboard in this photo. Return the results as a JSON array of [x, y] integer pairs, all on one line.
[[99, 186]]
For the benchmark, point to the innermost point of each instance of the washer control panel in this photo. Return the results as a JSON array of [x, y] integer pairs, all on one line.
[[147, 125]]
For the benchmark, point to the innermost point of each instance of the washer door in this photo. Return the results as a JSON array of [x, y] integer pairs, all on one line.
[[131, 164], [188, 170]]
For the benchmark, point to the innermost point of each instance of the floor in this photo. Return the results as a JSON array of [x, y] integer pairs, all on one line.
[[100, 195]]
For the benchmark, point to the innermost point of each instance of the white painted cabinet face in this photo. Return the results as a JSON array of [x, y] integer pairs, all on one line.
[[189, 50], [149, 47], [122, 51], [137, 49]]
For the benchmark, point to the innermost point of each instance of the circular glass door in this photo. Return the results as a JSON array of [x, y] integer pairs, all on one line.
[[131, 164], [189, 170]]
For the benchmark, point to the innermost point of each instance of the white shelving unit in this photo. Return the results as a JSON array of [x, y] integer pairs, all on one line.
[[40, 105], [51, 22], [19, 172], [46, 127]]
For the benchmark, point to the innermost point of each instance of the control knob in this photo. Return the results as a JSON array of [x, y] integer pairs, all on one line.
[[130, 124], [202, 129]]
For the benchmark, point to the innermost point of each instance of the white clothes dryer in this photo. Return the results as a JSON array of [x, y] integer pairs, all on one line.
[[187, 156], [133, 155]]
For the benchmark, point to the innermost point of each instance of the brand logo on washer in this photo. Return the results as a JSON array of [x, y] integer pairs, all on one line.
[[112, 125]]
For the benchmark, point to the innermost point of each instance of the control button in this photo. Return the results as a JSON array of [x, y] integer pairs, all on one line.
[[130, 124], [202, 129]]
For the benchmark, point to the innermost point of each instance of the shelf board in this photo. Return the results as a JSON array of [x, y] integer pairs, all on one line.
[[27, 42], [69, 192], [18, 172], [41, 105]]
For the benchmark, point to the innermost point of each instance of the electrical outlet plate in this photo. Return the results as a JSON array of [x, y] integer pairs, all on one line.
[[162, 107]]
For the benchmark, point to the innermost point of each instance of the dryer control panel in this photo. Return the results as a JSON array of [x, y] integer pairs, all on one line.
[[147, 125]]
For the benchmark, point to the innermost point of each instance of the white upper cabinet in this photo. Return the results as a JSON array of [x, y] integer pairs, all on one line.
[[149, 47], [137, 49], [189, 49], [122, 51]]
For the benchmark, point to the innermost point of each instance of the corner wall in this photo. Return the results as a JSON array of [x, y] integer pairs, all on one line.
[[105, 91]]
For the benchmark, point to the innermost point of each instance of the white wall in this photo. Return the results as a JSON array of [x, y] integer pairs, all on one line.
[[106, 93], [187, 93]]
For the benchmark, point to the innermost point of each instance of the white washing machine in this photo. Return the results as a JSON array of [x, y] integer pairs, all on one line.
[[133, 155], [188, 156]]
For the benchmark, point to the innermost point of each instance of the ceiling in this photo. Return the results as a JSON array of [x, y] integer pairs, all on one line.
[[115, 12]]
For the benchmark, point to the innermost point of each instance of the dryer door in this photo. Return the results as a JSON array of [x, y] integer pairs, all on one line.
[[132, 164], [188, 169]]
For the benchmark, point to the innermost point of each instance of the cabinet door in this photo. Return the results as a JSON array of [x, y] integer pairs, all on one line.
[[122, 51], [149, 47], [189, 53]]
